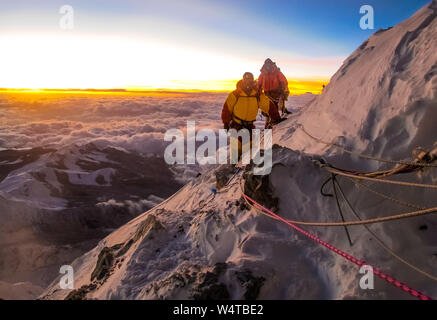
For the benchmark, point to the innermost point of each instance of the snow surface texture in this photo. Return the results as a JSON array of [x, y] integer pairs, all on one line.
[[196, 245]]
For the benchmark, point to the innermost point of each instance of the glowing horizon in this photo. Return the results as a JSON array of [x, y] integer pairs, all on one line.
[[151, 45], [296, 87], [146, 52]]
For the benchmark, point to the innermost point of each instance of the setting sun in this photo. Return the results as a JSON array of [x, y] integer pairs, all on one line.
[[95, 62]]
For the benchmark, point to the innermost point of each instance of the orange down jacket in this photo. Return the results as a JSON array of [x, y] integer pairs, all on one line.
[[273, 81]]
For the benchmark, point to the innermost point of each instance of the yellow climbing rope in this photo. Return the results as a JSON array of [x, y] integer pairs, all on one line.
[[371, 176], [382, 195], [356, 222], [362, 222], [381, 243], [396, 182]]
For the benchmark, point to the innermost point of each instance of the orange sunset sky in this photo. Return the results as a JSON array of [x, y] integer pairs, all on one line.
[[178, 45]]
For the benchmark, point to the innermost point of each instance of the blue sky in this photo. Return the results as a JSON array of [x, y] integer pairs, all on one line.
[[309, 39]]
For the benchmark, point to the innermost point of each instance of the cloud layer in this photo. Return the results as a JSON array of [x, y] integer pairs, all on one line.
[[133, 122]]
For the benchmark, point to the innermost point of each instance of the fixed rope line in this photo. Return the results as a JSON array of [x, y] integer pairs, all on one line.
[[367, 221], [396, 182], [379, 241], [364, 156], [379, 273], [382, 195], [358, 222]]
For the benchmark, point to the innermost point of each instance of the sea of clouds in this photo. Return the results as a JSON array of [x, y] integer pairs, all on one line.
[[133, 122]]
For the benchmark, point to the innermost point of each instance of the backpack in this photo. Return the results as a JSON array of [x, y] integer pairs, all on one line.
[[237, 94]]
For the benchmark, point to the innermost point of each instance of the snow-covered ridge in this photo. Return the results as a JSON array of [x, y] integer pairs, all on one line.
[[382, 101], [57, 204]]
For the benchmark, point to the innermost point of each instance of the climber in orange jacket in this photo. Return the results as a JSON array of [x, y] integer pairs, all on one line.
[[241, 107], [274, 84]]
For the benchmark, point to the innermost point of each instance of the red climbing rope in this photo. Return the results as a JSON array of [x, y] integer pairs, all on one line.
[[345, 255]]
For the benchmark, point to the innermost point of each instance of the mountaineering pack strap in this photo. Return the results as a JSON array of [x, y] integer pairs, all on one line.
[[237, 96]]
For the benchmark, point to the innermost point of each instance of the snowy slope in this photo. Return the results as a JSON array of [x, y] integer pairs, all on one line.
[[57, 204], [196, 245], [382, 99]]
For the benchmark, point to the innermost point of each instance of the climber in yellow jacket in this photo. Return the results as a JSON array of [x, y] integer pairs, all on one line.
[[242, 105]]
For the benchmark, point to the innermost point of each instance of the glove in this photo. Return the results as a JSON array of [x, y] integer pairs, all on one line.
[[226, 126]]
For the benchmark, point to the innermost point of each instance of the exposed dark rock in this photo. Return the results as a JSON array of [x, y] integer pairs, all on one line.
[[149, 224], [251, 283], [258, 188], [104, 264], [178, 279], [208, 286], [223, 174], [431, 73], [364, 44], [125, 248], [81, 293], [379, 31], [16, 159], [242, 205]]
